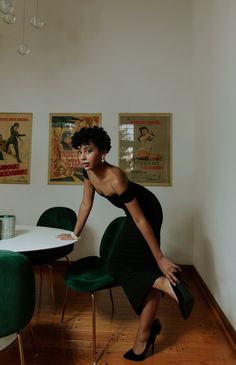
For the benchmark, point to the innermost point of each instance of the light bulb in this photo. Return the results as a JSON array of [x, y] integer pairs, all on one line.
[[23, 49], [6, 6], [36, 22], [9, 18]]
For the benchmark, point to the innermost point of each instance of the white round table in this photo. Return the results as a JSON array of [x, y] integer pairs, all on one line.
[[34, 238], [7, 340]]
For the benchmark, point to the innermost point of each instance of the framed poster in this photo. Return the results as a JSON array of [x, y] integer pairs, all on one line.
[[63, 164], [146, 147], [15, 147]]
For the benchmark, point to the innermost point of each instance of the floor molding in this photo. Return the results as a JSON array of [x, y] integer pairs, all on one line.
[[222, 319], [224, 322]]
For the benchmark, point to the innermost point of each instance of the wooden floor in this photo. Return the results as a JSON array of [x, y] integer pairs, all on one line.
[[199, 340]]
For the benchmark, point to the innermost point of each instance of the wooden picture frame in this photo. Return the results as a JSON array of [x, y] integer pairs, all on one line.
[[15, 147], [146, 147], [63, 164]]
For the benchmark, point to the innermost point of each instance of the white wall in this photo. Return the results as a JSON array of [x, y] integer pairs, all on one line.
[[214, 80], [103, 56], [113, 56]]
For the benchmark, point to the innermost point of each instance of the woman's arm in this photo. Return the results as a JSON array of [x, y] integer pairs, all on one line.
[[167, 267], [84, 210]]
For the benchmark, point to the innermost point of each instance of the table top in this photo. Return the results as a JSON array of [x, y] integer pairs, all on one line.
[[34, 238], [7, 340]]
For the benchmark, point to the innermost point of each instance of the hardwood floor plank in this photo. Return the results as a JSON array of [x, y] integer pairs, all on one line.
[[197, 341]]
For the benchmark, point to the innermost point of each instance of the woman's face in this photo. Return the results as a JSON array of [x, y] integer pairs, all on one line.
[[89, 156]]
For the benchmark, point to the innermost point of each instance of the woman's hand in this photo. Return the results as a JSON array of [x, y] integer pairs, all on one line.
[[65, 236], [169, 269]]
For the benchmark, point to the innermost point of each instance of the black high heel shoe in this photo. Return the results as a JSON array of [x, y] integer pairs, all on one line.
[[154, 331], [185, 299]]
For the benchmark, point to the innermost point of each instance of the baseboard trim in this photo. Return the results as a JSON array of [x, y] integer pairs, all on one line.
[[222, 319]]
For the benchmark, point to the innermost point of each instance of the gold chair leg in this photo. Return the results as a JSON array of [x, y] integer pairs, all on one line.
[[68, 260], [94, 327], [21, 351], [111, 297], [40, 287], [36, 354], [64, 306], [51, 286]]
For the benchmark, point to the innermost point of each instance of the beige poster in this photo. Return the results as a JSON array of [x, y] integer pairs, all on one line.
[[63, 163], [145, 147], [15, 147]]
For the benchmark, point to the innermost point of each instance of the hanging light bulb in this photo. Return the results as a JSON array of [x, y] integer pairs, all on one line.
[[22, 48], [36, 21], [6, 6], [9, 18]]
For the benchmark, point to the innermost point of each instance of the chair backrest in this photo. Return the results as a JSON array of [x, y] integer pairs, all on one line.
[[58, 217], [17, 292], [109, 238]]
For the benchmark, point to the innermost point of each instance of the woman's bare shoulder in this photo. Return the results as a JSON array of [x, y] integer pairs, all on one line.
[[118, 179], [117, 172]]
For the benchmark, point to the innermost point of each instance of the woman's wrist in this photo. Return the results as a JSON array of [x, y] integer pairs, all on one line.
[[74, 236], [159, 256]]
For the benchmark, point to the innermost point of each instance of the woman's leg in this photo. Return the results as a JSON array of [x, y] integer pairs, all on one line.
[[179, 293], [150, 307], [163, 284], [146, 320], [149, 311]]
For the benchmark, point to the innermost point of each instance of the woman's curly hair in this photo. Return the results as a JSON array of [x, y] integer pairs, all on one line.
[[96, 135]]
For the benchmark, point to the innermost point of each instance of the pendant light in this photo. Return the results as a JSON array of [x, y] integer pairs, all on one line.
[[22, 48]]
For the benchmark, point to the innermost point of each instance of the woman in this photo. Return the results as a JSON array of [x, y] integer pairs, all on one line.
[[13, 139], [137, 261]]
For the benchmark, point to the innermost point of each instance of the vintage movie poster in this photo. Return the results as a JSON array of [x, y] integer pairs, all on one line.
[[63, 159], [15, 147], [145, 147]]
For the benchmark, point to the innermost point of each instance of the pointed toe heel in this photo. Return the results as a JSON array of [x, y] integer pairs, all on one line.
[[185, 299], [154, 331], [130, 355]]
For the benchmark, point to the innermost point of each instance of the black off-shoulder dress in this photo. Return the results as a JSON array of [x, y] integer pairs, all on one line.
[[132, 262]]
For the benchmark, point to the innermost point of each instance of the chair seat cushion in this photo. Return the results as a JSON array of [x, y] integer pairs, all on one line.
[[17, 292], [88, 274]]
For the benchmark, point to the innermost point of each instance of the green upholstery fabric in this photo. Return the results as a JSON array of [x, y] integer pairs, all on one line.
[[17, 292], [90, 273], [56, 217], [109, 238]]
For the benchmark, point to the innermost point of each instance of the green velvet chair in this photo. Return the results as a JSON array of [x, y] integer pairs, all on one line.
[[90, 274], [56, 217], [17, 295]]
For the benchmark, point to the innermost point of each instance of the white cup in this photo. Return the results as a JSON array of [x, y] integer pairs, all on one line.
[[7, 226]]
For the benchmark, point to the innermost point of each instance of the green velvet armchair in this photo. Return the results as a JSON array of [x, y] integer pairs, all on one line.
[[17, 295], [56, 217], [90, 274]]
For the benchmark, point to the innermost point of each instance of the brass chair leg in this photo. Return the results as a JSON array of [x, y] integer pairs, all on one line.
[[36, 354], [40, 287], [64, 306], [94, 327], [111, 297], [68, 260], [51, 286], [21, 351]]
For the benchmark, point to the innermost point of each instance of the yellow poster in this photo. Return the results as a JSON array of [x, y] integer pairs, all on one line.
[[145, 147], [63, 163], [15, 147]]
